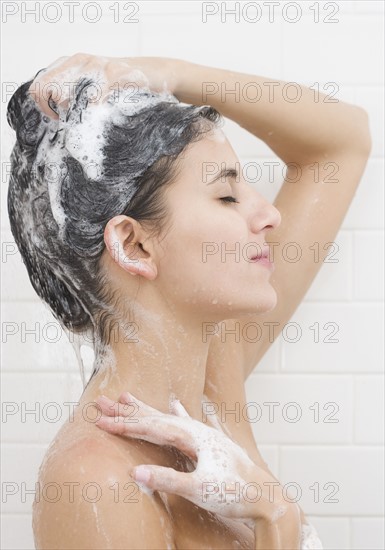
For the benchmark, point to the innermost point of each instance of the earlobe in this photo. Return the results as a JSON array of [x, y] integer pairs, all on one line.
[[116, 236], [146, 269], [138, 266]]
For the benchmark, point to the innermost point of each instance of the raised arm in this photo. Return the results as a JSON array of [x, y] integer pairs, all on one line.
[[325, 146]]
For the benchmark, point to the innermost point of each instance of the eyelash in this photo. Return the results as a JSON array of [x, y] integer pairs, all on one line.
[[228, 199]]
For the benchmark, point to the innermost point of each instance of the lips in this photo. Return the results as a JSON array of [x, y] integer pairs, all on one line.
[[263, 258], [265, 253]]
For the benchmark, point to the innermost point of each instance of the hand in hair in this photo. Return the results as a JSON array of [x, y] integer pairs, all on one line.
[[55, 85]]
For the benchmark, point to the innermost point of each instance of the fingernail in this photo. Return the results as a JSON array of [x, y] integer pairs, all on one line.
[[142, 474]]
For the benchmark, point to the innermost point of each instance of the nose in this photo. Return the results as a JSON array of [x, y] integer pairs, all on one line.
[[264, 215]]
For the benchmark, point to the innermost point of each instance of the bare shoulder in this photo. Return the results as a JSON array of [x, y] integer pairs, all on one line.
[[87, 498]]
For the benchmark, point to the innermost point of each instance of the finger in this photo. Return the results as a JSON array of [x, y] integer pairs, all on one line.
[[178, 409], [163, 479], [159, 430], [127, 406], [50, 85], [117, 425], [44, 99], [128, 398], [58, 61], [45, 89], [113, 408]]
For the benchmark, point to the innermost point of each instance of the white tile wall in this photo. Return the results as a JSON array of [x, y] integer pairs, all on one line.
[[349, 338], [33, 411], [297, 408], [214, 43], [323, 477], [20, 464], [367, 533], [334, 532], [16, 532], [370, 98], [33, 339], [16, 285], [349, 452], [368, 265], [369, 410], [366, 209], [335, 280], [333, 53]]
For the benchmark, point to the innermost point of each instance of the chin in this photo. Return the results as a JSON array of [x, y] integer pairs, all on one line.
[[255, 306], [263, 303]]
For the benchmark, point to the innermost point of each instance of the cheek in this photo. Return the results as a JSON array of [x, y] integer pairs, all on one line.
[[205, 260], [199, 258], [216, 281], [205, 242], [182, 269]]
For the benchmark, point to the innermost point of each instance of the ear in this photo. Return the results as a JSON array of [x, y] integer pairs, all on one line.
[[122, 236]]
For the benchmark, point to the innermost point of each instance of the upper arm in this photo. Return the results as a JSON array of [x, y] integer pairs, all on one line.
[[311, 214], [99, 507]]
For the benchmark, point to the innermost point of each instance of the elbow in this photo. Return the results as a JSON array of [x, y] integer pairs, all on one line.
[[363, 142]]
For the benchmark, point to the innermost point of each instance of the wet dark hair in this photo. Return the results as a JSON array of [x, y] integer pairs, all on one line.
[[140, 159]]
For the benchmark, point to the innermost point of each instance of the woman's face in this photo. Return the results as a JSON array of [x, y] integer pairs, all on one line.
[[205, 261]]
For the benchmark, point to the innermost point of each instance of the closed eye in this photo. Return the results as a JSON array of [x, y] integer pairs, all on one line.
[[229, 199]]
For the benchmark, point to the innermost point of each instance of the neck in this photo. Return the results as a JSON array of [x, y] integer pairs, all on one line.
[[156, 357]]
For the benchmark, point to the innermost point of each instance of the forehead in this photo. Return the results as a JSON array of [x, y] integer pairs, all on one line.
[[210, 154], [216, 135]]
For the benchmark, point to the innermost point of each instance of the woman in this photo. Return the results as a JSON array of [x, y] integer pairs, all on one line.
[[131, 237]]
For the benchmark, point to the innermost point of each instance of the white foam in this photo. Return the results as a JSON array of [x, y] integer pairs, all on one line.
[[144, 488], [83, 136], [309, 538]]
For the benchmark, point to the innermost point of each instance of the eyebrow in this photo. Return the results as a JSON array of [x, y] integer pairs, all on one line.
[[225, 173]]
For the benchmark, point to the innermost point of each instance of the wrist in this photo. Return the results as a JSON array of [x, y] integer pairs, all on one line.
[[175, 70], [270, 502], [188, 79], [284, 532]]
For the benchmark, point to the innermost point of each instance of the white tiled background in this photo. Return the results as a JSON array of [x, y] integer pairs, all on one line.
[[341, 461]]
